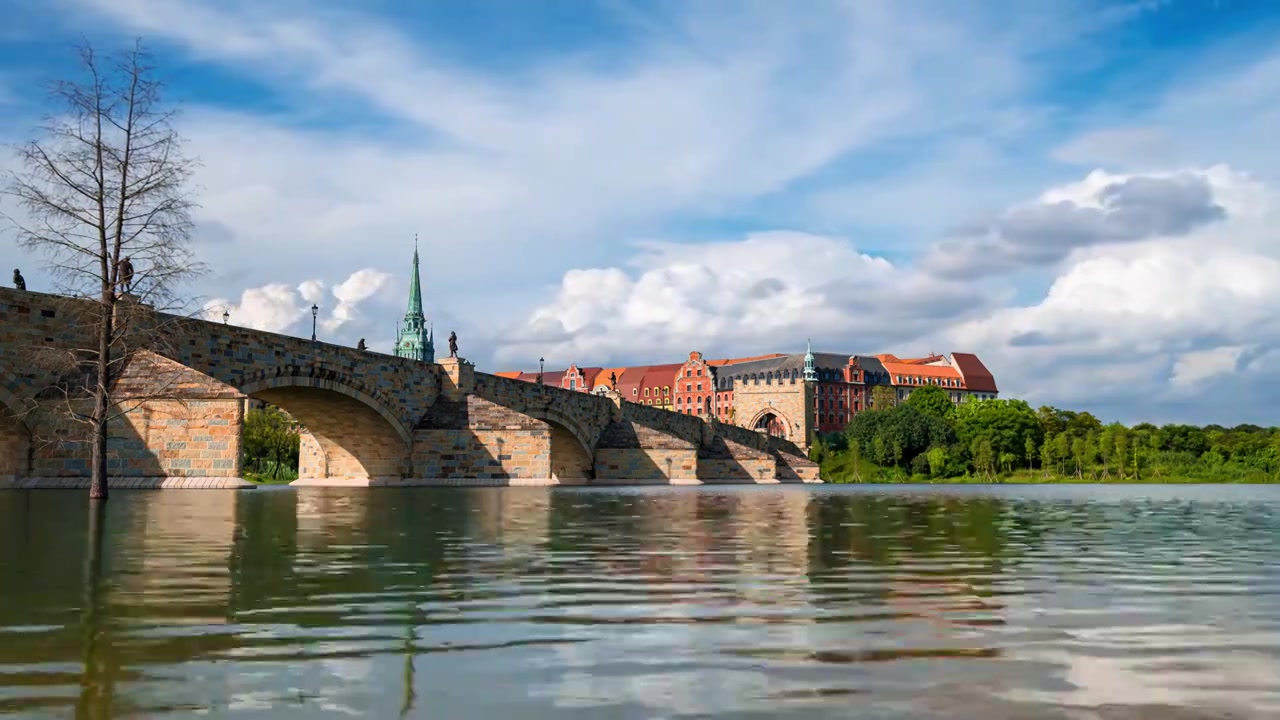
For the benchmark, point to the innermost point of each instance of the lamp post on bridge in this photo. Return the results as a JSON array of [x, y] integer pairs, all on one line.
[[226, 315], [540, 363], [315, 311]]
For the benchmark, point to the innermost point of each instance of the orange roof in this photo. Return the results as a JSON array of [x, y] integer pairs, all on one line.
[[602, 377], [905, 368], [512, 374], [921, 361]]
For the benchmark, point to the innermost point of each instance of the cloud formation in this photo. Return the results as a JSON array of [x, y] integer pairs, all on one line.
[[1103, 209], [281, 308], [766, 292]]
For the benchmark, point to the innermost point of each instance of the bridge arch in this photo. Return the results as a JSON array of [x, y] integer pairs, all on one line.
[[349, 433], [572, 457], [773, 422]]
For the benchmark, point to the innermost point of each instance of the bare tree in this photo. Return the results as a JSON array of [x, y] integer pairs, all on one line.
[[104, 191]]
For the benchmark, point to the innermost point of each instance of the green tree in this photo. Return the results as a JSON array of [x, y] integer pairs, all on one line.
[[270, 435], [937, 461], [882, 397], [931, 400], [1007, 424]]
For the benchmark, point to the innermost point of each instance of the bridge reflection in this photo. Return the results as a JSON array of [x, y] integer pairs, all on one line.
[[377, 602]]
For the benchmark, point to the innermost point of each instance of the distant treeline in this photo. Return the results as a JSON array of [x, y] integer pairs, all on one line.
[[927, 437]]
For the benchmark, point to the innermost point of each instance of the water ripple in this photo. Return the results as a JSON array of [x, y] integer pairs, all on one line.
[[797, 602]]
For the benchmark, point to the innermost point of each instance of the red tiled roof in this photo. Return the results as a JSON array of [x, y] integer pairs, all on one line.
[[976, 375], [732, 361], [510, 374], [659, 376], [630, 380]]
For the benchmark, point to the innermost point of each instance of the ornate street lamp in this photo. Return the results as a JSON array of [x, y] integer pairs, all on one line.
[[315, 311], [226, 315], [540, 363]]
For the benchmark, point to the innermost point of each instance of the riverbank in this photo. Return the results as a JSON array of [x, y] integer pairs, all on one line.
[[841, 469]]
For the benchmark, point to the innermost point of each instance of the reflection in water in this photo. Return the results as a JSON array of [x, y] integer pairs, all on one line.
[[744, 602]]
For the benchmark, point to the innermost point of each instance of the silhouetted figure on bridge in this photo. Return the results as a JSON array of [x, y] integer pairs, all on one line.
[[453, 344], [361, 345], [124, 274], [613, 380], [18, 281]]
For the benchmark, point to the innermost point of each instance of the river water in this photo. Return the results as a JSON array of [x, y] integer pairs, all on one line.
[[754, 602]]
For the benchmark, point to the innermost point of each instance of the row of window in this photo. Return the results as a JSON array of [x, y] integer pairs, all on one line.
[[944, 382]]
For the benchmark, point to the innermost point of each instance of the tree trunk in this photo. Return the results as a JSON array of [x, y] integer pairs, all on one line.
[[98, 477]]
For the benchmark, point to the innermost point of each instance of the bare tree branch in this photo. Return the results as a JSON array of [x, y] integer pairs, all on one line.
[[104, 190]]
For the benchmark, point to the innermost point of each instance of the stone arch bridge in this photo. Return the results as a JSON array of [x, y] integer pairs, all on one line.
[[366, 418]]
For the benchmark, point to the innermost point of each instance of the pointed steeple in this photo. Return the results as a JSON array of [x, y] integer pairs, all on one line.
[[412, 338], [810, 374], [415, 286]]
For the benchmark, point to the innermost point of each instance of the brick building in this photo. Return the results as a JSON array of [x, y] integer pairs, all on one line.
[[695, 391], [793, 396]]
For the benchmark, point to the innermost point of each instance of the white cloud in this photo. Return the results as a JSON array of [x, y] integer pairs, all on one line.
[[1103, 209], [768, 291], [568, 156], [312, 291], [278, 307], [1193, 368], [273, 307], [1139, 326], [362, 285], [1137, 148]]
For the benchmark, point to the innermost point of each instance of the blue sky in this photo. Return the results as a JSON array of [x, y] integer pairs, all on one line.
[[615, 181]]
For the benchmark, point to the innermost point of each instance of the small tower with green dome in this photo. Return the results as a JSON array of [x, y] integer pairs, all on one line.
[[414, 338], [810, 374]]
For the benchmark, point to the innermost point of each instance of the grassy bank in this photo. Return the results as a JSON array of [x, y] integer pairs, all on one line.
[[842, 469], [268, 472]]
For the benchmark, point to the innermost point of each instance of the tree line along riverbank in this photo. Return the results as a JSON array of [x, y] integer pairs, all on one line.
[[927, 438]]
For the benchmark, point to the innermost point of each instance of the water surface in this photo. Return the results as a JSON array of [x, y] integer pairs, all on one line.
[[795, 602]]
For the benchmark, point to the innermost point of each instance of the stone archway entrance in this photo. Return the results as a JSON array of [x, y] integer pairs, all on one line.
[[772, 424]]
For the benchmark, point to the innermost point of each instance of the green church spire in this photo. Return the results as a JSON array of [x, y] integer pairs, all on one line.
[[414, 338], [415, 288]]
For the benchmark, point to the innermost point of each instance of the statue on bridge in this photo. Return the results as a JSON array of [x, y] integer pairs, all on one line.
[[360, 345], [124, 274], [613, 380], [453, 344], [18, 281]]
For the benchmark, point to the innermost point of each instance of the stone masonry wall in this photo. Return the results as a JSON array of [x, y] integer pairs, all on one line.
[[722, 459], [311, 458], [631, 451], [477, 438], [15, 447], [583, 414], [794, 403], [163, 438]]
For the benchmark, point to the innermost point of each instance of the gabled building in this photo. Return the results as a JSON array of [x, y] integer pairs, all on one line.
[[961, 376], [656, 386], [580, 379]]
